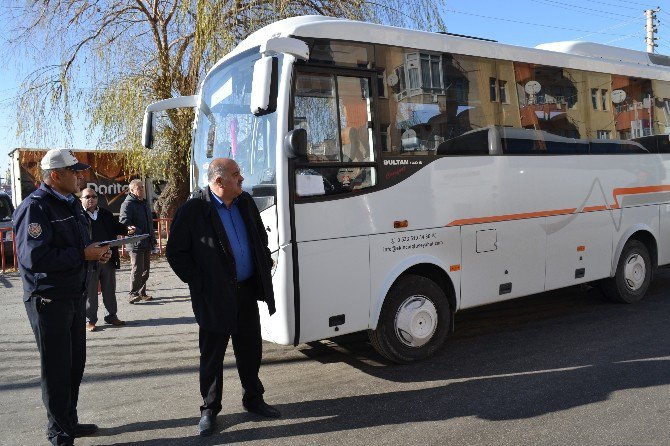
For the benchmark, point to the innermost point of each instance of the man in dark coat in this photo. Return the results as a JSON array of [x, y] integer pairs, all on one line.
[[53, 251], [136, 212], [218, 245], [103, 226]]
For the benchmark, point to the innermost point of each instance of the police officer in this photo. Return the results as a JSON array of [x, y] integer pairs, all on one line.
[[53, 251]]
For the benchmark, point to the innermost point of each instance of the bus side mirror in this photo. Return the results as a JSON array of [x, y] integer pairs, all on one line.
[[295, 143], [264, 86], [148, 130]]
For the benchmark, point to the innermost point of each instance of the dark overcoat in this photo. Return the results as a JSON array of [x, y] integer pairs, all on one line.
[[107, 227], [199, 252]]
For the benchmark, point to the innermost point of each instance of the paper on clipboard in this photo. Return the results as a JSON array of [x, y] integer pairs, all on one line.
[[123, 241]]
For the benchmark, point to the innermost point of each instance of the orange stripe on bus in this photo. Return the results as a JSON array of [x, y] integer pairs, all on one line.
[[636, 191], [616, 192], [494, 218]]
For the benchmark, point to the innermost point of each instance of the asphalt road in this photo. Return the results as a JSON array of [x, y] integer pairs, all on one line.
[[561, 368]]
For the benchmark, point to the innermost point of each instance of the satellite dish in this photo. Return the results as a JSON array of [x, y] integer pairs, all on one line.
[[392, 80], [532, 87], [618, 96]]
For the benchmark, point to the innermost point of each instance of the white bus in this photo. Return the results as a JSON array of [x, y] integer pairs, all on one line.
[[405, 175]]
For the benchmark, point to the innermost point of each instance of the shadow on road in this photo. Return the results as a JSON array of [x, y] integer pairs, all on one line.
[[510, 361]]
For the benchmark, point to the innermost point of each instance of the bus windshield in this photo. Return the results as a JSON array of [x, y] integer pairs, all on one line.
[[225, 127]]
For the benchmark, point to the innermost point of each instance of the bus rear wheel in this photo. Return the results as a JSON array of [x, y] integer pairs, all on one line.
[[633, 274], [414, 321]]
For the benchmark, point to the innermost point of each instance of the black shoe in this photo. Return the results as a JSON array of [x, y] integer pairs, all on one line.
[[260, 407], [206, 425], [82, 430]]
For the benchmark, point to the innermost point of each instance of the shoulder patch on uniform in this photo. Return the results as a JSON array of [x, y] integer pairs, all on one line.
[[34, 230]]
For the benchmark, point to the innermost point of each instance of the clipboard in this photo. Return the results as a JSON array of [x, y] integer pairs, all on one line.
[[123, 241]]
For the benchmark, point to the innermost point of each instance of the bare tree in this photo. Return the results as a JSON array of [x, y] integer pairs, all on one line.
[[111, 58]]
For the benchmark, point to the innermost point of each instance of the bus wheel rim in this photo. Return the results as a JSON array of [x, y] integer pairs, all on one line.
[[635, 272], [416, 321]]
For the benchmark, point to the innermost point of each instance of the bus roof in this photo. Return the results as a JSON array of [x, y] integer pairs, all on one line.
[[576, 55]]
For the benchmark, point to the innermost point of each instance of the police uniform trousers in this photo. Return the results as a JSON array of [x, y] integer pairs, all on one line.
[[248, 348], [59, 328], [105, 273]]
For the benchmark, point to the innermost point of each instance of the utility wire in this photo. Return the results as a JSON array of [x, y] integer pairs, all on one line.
[[564, 5], [531, 24], [619, 25], [646, 5], [636, 8]]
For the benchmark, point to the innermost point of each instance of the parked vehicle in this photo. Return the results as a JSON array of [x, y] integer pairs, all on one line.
[[403, 176], [6, 213], [108, 175]]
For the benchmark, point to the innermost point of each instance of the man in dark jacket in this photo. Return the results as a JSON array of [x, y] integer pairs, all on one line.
[[136, 212], [54, 250], [218, 245], [103, 226]]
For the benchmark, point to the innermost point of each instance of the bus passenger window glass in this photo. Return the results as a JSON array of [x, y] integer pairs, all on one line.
[[548, 99], [354, 108], [341, 53], [315, 181], [316, 111], [431, 99]]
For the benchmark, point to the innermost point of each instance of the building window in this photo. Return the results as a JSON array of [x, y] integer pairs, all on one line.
[[502, 87], [594, 98], [421, 73], [604, 98], [492, 89], [603, 134]]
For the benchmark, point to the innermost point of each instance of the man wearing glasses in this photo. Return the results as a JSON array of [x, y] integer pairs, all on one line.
[[103, 226], [54, 250]]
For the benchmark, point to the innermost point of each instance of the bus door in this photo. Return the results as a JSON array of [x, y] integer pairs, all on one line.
[[329, 190]]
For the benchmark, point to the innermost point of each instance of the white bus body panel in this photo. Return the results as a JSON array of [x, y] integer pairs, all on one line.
[[575, 242], [521, 220], [392, 254], [279, 328], [664, 235], [334, 280], [516, 258]]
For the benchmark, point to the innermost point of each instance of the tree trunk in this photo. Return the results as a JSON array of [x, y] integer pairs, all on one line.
[[176, 191]]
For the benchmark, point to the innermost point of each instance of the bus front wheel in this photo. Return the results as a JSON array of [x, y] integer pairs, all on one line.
[[414, 321], [633, 274]]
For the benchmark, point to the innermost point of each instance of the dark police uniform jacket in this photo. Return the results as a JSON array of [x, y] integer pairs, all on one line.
[[50, 236], [199, 252]]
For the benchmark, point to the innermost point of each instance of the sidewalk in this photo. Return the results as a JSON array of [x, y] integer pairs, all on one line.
[[141, 381]]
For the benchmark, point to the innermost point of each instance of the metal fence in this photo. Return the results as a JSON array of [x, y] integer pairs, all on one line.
[[8, 260]]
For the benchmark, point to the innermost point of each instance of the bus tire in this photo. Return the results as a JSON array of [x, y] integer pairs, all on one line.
[[414, 321], [633, 274]]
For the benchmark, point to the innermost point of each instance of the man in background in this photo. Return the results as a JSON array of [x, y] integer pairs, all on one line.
[[53, 251], [136, 212], [103, 226]]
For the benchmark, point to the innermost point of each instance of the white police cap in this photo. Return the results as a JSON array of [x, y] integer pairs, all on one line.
[[58, 158]]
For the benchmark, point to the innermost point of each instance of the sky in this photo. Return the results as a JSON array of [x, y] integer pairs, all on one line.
[[517, 22]]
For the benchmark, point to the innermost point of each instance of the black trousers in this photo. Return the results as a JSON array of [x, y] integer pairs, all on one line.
[[248, 348], [59, 328]]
